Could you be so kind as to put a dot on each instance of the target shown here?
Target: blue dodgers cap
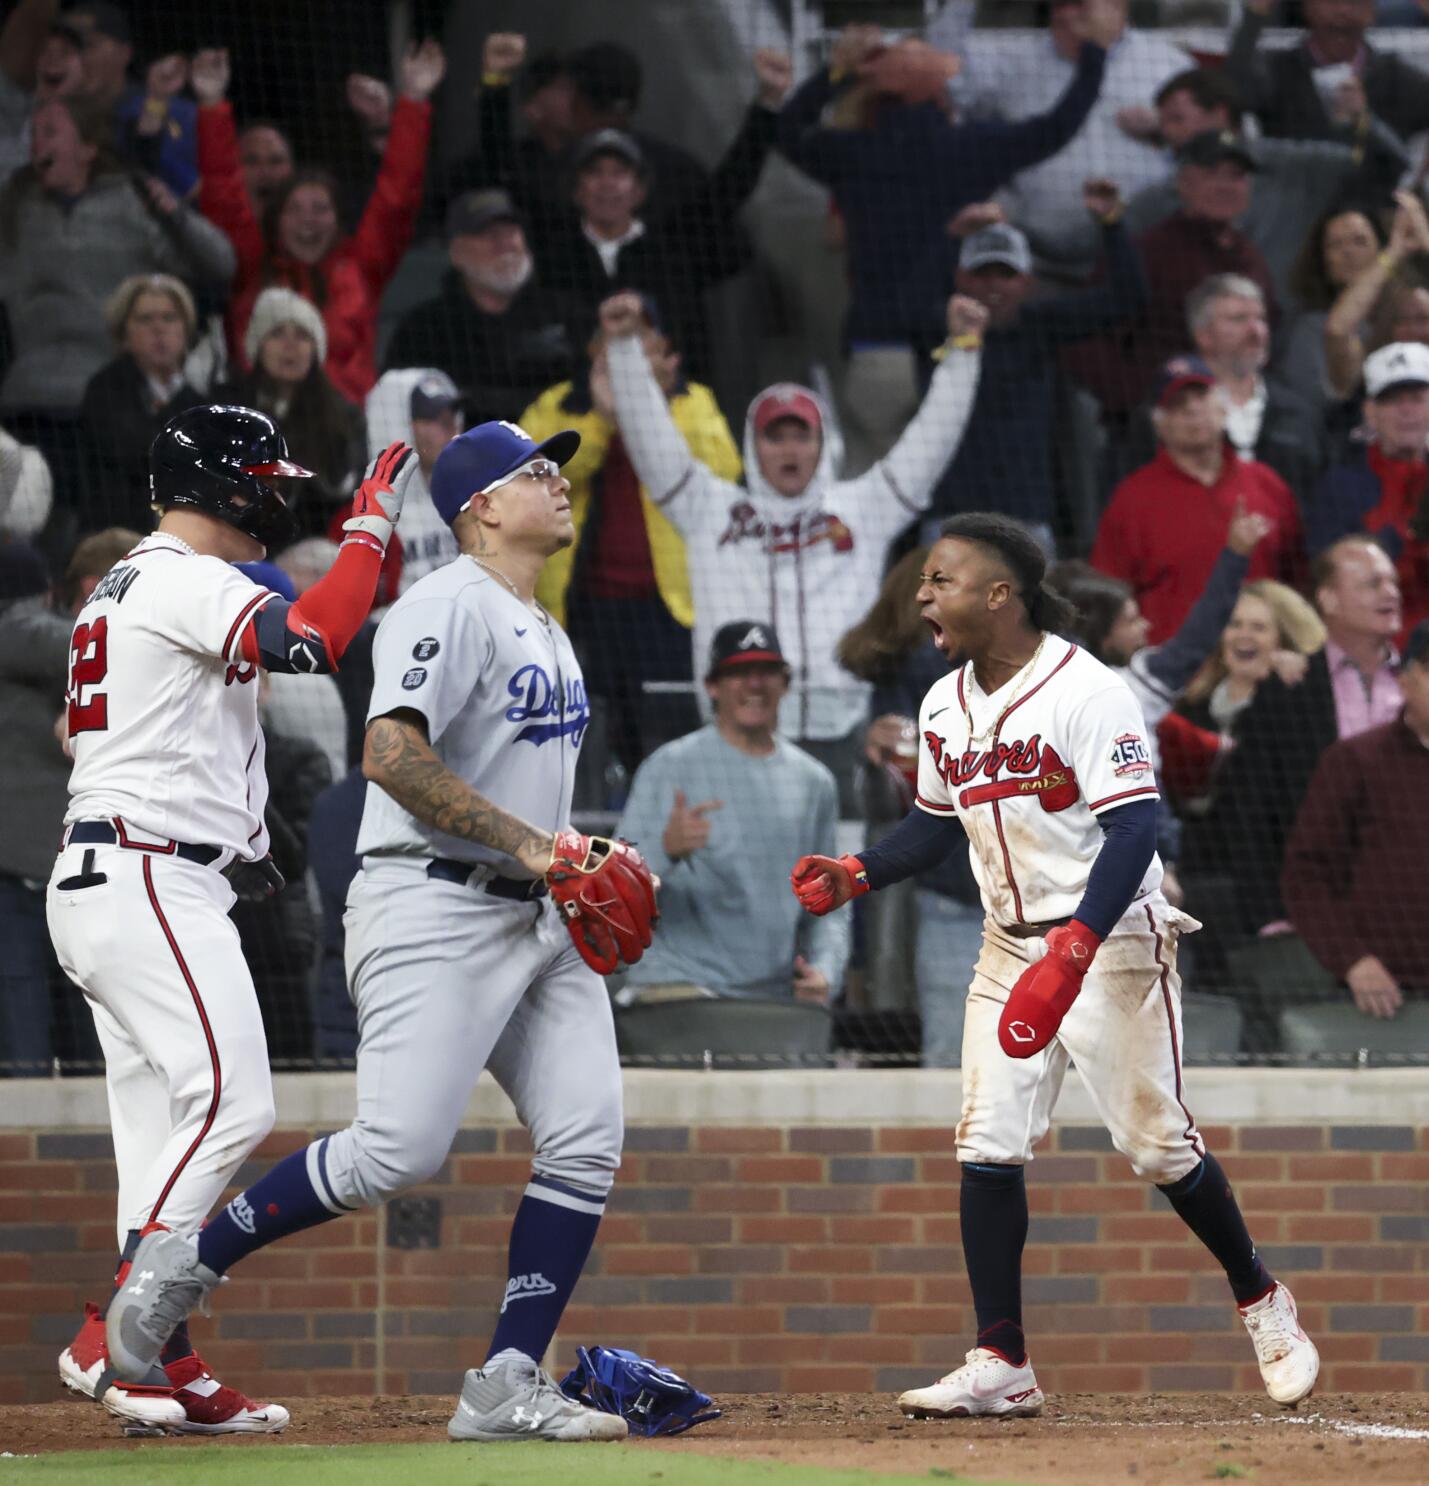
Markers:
(477, 459)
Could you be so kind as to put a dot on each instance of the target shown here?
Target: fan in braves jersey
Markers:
(1039, 751)
(165, 827)
(457, 959)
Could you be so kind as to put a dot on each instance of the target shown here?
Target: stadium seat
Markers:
(1340, 1027)
(1211, 1028)
(727, 1032)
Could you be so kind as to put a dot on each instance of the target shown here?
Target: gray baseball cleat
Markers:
(165, 1282)
(512, 1399)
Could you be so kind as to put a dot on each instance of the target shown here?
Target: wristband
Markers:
(495, 80)
(1114, 215)
(971, 341)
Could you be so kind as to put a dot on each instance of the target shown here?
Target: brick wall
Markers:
(800, 1258)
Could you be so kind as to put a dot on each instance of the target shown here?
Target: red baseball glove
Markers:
(1045, 991)
(607, 894)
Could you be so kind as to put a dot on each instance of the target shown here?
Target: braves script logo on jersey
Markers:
(746, 525)
(957, 768)
(1129, 758)
(539, 697)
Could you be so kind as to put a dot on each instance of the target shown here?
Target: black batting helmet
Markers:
(217, 459)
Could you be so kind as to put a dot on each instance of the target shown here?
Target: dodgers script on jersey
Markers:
(1071, 743)
(162, 706)
(504, 701)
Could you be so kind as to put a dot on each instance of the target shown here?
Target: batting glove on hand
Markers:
(822, 884)
(1045, 991)
(378, 503)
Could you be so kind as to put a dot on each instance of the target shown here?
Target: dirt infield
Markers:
(1081, 1440)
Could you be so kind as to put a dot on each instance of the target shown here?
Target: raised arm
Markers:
(222, 196)
(901, 484)
(1244, 65)
(675, 480)
(391, 211)
(1121, 293)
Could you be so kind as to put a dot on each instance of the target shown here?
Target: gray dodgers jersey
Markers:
(504, 701)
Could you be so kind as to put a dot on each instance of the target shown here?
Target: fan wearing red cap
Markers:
(795, 545)
(1166, 524)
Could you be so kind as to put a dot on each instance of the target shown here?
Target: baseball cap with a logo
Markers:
(484, 456)
(1400, 364)
(786, 400)
(744, 642)
(1178, 374)
(433, 395)
(996, 244)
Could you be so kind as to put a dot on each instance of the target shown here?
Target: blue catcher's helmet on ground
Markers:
(650, 1398)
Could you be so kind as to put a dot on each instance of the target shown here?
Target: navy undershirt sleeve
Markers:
(919, 841)
(1128, 844)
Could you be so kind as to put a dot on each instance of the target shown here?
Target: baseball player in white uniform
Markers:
(165, 827)
(1040, 753)
(457, 957)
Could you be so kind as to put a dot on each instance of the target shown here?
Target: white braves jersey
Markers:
(1045, 754)
(163, 709)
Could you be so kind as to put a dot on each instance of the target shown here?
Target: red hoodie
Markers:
(356, 269)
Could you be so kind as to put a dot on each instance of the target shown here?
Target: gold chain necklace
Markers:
(1024, 674)
(497, 573)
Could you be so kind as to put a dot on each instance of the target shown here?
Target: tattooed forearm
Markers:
(398, 757)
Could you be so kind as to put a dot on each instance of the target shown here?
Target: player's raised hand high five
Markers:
(377, 505)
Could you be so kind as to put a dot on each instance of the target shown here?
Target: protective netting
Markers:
(1164, 303)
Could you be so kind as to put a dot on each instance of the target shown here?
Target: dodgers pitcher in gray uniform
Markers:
(456, 958)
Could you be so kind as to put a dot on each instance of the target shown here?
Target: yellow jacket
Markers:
(697, 416)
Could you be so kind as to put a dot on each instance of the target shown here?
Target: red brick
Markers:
(831, 1259)
(847, 1378)
(1356, 1167)
(1336, 1288)
(921, 1320)
(1283, 1197)
(719, 1199)
(1143, 1227)
(767, 1349)
(1153, 1289)
(783, 1229)
(916, 1199)
(940, 1231)
(1329, 1228)
(1174, 1346)
(1101, 1199)
(897, 1141)
(650, 1259)
(686, 1353)
(940, 1169)
(1350, 1377)
(40, 1176)
(725, 1140)
(804, 1289)
(742, 1320)
(1099, 1259)
(16, 1147)
(1255, 1168)
(874, 1289)
(1406, 1168)
(1096, 1378)
(869, 1349)
(872, 1230)
(777, 1169)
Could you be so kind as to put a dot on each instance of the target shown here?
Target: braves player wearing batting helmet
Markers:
(165, 828)
(474, 933)
(1040, 752)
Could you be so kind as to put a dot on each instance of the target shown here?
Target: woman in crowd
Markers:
(73, 225)
(930, 928)
(152, 321)
(1342, 245)
(286, 346)
(1365, 315)
(299, 242)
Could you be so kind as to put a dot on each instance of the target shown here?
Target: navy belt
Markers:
(88, 832)
(520, 890)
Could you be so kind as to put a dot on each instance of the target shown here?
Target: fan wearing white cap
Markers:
(1382, 487)
(794, 546)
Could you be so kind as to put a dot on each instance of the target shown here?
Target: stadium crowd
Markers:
(1169, 310)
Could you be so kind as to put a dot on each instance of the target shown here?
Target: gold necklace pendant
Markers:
(1023, 675)
(535, 608)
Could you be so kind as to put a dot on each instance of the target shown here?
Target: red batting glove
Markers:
(1045, 991)
(822, 884)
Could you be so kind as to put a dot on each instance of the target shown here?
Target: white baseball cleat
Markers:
(1288, 1360)
(986, 1383)
(512, 1399)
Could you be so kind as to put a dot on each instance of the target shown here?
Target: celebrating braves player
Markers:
(165, 826)
(457, 957)
(1040, 752)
